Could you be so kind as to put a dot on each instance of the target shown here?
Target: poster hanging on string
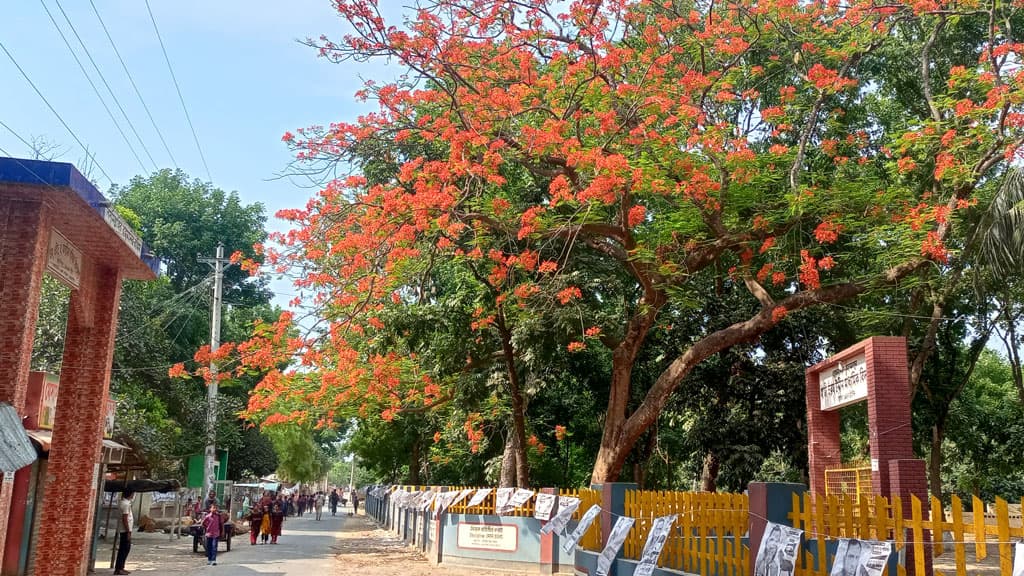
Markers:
(459, 497)
(544, 506)
(778, 552)
(567, 505)
(619, 531)
(520, 497)
(860, 557)
(588, 518)
(478, 497)
(660, 529)
(501, 500)
(1018, 559)
(427, 500)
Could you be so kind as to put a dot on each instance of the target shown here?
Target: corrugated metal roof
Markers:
(16, 449)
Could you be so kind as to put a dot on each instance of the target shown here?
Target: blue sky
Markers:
(244, 77)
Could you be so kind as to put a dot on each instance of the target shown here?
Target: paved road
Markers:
(306, 548)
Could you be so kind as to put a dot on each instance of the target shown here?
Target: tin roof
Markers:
(16, 449)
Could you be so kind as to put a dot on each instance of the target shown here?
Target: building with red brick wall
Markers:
(53, 220)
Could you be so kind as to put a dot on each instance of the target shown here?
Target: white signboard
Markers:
(619, 531)
(494, 537)
(123, 230)
(844, 383)
(63, 260)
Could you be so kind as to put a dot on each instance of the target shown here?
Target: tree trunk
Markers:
(522, 465)
(935, 458)
(709, 473)
(508, 464)
(621, 433)
(414, 463)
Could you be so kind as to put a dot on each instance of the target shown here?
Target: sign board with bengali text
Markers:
(494, 537)
(843, 384)
(64, 260)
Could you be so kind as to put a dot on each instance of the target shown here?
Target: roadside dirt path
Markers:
(366, 550)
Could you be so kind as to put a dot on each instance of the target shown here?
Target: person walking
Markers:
(255, 519)
(213, 527)
(276, 522)
(355, 501)
(265, 524)
(334, 501)
(126, 522)
(318, 504)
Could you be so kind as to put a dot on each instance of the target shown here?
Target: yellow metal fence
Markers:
(854, 482)
(962, 542)
(706, 536)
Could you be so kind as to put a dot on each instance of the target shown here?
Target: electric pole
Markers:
(219, 264)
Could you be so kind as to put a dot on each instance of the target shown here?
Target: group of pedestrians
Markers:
(266, 519)
(336, 497)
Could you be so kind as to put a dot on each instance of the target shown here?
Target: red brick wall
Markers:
(68, 507)
(24, 238)
(888, 412)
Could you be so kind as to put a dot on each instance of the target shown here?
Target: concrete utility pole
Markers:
(219, 264)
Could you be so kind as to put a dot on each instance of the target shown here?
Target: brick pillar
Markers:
(823, 448)
(910, 478)
(613, 505)
(548, 544)
(24, 239)
(71, 484)
(888, 408)
(769, 502)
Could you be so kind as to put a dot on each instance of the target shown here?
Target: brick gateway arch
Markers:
(874, 371)
(52, 219)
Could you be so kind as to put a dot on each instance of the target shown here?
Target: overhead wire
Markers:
(113, 119)
(16, 135)
(99, 72)
(131, 79)
(177, 87)
(55, 113)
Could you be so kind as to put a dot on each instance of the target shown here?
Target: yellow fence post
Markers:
(957, 509)
(1003, 526)
(978, 515)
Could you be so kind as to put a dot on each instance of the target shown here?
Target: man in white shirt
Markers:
(124, 526)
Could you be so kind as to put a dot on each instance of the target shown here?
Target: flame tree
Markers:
(594, 159)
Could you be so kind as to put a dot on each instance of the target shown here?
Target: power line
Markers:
(181, 98)
(132, 80)
(117, 102)
(18, 136)
(55, 113)
(94, 89)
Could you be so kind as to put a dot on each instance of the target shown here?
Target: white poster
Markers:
(458, 497)
(520, 497)
(1018, 559)
(501, 500)
(426, 501)
(778, 552)
(478, 497)
(619, 531)
(656, 538)
(566, 506)
(570, 541)
(860, 557)
(544, 506)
